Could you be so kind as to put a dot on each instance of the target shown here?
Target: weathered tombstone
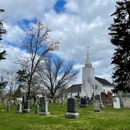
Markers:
(19, 108)
(83, 102)
(32, 102)
(26, 107)
(44, 106)
(116, 103)
(23, 100)
(0, 101)
(8, 106)
(126, 102)
(119, 95)
(110, 98)
(36, 108)
(96, 106)
(98, 97)
(103, 97)
(5, 101)
(72, 108)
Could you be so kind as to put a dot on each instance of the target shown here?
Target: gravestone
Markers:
(110, 98)
(0, 101)
(119, 95)
(5, 101)
(83, 102)
(23, 100)
(44, 106)
(116, 103)
(19, 108)
(8, 106)
(96, 106)
(32, 102)
(103, 97)
(98, 97)
(36, 108)
(26, 107)
(72, 108)
(126, 102)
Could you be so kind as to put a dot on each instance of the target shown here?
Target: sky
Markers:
(77, 23)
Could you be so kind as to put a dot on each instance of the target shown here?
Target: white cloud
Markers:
(84, 23)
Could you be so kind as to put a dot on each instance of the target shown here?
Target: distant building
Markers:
(91, 84)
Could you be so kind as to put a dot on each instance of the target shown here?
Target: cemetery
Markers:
(70, 116)
(40, 91)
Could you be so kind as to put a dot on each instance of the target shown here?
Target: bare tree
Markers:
(11, 78)
(3, 79)
(57, 74)
(38, 45)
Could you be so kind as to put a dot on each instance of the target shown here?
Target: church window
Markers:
(95, 86)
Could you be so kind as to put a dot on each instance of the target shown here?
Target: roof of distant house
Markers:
(103, 81)
(75, 88)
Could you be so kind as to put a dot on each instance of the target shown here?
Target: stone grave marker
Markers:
(19, 108)
(23, 100)
(96, 106)
(44, 106)
(98, 97)
(36, 108)
(103, 97)
(119, 95)
(32, 102)
(110, 98)
(126, 102)
(26, 107)
(116, 103)
(5, 101)
(83, 102)
(8, 106)
(72, 108)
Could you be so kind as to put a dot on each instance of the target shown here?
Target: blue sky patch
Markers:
(59, 6)
(26, 22)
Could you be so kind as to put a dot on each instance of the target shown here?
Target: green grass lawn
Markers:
(107, 119)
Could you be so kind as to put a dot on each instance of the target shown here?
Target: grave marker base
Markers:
(72, 115)
(26, 110)
(44, 113)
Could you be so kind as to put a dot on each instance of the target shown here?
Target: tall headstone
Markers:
(116, 103)
(23, 100)
(83, 102)
(72, 111)
(119, 95)
(19, 108)
(96, 106)
(26, 108)
(110, 98)
(44, 106)
(8, 106)
(5, 101)
(126, 102)
(103, 97)
(36, 108)
(98, 97)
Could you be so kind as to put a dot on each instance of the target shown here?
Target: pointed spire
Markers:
(88, 62)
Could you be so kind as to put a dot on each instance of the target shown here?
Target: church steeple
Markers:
(88, 62)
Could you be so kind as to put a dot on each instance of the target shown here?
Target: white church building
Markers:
(91, 85)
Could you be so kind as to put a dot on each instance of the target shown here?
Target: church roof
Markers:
(75, 88)
(103, 81)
